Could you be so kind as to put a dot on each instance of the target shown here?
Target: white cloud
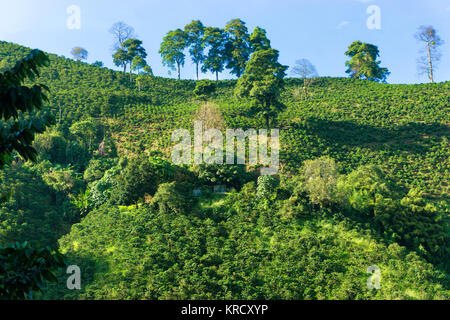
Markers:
(342, 24)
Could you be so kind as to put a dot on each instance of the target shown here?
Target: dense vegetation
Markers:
(364, 181)
(24, 269)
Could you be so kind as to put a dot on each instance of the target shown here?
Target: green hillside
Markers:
(126, 215)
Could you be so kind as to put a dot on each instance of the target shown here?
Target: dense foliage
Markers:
(24, 269)
(17, 135)
(213, 48)
(363, 62)
(239, 246)
(363, 181)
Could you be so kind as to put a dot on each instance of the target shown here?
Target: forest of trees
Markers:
(87, 180)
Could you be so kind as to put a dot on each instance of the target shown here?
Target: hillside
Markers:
(265, 239)
(402, 128)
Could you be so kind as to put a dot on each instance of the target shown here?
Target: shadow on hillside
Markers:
(90, 269)
(411, 137)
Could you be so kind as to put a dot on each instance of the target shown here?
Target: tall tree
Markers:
(120, 58)
(121, 32)
(259, 40)
(130, 49)
(262, 83)
(238, 47)
(194, 35)
(363, 62)
(79, 53)
(431, 50)
(305, 70)
(135, 50)
(172, 49)
(137, 65)
(214, 40)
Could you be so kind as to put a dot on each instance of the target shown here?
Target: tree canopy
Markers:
(23, 268)
(238, 47)
(172, 50)
(259, 40)
(127, 52)
(363, 62)
(194, 33)
(262, 83)
(214, 40)
(17, 135)
(79, 53)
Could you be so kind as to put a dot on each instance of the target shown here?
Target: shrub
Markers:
(173, 197)
(141, 177)
(210, 116)
(266, 186)
(204, 88)
(363, 187)
(230, 175)
(320, 179)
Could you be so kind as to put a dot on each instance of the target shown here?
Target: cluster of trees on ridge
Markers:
(248, 56)
(215, 49)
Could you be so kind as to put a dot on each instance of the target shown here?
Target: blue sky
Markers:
(318, 30)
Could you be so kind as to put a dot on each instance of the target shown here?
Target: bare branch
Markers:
(121, 32)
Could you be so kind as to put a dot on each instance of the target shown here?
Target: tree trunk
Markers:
(217, 75)
(305, 89)
(124, 67)
(179, 75)
(267, 123)
(197, 70)
(431, 63)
